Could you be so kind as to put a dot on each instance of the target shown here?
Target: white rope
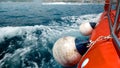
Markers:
(99, 39)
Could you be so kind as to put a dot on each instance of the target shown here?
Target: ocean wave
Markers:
(31, 46)
(77, 20)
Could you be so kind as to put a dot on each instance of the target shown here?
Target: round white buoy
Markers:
(65, 52)
(86, 28)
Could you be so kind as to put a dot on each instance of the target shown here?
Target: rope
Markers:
(99, 39)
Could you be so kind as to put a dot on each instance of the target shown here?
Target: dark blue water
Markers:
(29, 30)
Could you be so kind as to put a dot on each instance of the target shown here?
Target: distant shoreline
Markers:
(54, 1)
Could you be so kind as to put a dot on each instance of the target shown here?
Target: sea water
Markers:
(28, 31)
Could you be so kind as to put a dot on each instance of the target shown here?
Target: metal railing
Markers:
(114, 26)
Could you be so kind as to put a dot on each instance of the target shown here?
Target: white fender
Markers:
(87, 28)
(65, 52)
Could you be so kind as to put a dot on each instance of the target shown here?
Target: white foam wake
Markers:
(49, 31)
(77, 20)
(40, 37)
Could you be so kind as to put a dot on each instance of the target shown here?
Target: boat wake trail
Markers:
(31, 46)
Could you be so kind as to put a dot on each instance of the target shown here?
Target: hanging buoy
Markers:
(65, 52)
(87, 28)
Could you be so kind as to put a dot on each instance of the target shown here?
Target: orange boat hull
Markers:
(102, 54)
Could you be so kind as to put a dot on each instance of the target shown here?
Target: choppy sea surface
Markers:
(28, 31)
